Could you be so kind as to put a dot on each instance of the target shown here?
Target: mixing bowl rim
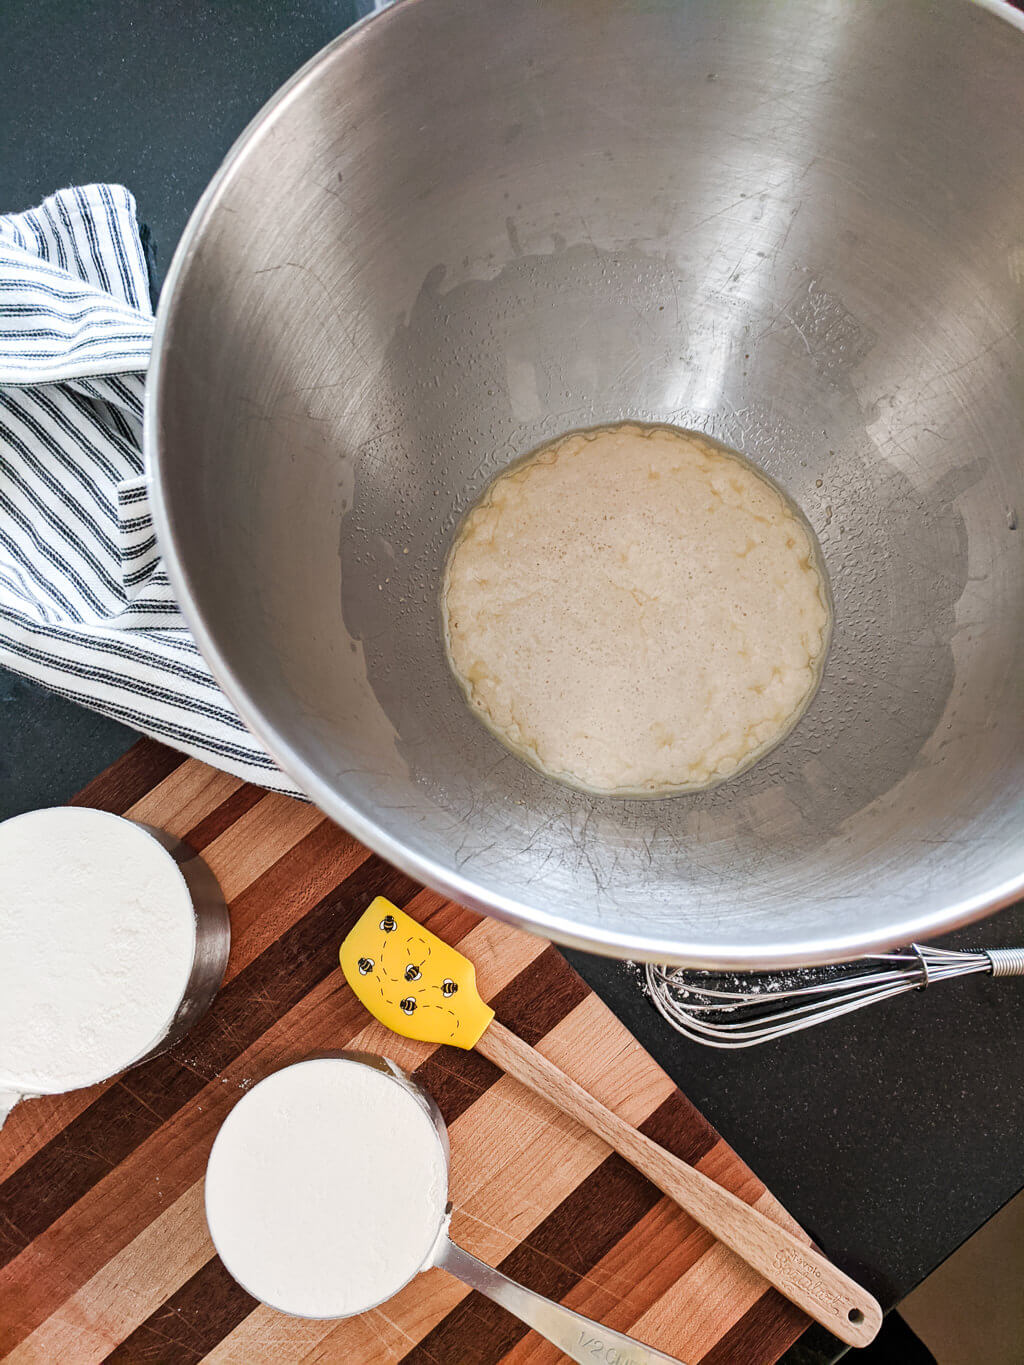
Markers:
(711, 954)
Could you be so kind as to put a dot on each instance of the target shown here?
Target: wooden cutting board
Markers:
(103, 1243)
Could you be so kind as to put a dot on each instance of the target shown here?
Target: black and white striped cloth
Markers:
(85, 605)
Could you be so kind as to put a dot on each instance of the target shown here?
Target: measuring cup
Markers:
(209, 960)
(577, 1337)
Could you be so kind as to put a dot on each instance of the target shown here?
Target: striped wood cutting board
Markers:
(103, 1242)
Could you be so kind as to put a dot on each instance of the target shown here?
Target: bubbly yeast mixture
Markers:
(636, 611)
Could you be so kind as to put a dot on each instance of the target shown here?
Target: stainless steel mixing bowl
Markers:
(470, 225)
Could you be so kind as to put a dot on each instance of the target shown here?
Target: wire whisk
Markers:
(731, 1011)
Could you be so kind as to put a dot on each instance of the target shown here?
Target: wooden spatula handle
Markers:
(796, 1270)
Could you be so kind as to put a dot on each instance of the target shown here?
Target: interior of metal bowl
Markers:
(472, 225)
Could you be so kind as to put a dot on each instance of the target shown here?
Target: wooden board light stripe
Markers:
(104, 1253)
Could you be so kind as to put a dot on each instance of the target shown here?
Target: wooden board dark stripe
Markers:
(680, 1128)
(128, 781)
(222, 817)
(305, 877)
(534, 1006)
(190, 1323)
(104, 1254)
(759, 1335)
(456, 1080)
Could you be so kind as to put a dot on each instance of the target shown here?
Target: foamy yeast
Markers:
(636, 611)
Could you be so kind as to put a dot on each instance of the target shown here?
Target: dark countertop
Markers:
(892, 1135)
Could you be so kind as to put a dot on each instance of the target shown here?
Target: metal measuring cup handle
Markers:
(578, 1337)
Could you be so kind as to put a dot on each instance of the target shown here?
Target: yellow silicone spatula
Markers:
(422, 988)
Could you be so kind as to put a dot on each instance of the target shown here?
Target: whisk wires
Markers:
(742, 1011)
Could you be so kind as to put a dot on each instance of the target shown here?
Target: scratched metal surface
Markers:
(471, 226)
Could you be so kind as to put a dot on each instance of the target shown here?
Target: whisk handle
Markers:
(796, 1270)
(1006, 961)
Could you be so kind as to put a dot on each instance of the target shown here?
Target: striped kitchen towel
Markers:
(85, 605)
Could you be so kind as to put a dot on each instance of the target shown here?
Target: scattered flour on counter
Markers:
(326, 1188)
(97, 937)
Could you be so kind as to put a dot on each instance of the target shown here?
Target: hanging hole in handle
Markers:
(855, 1315)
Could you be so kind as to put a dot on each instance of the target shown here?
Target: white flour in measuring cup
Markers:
(326, 1188)
(97, 940)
